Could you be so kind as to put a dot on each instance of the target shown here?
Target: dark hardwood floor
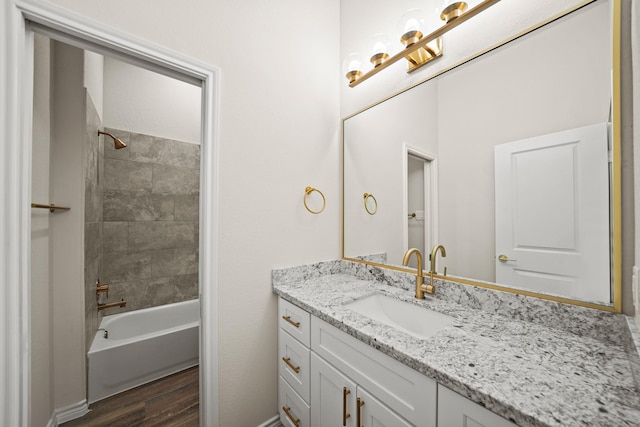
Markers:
(170, 401)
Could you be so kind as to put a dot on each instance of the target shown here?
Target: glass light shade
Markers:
(352, 66)
(411, 26)
(380, 47)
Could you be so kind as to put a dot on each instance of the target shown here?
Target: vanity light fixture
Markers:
(352, 67)
(452, 9)
(419, 49)
(380, 46)
(411, 29)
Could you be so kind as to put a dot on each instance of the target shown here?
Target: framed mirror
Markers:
(509, 160)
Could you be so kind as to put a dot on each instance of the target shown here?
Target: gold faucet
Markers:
(121, 303)
(432, 258)
(101, 288)
(420, 288)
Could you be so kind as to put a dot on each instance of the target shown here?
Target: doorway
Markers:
(420, 223)
(26, 20)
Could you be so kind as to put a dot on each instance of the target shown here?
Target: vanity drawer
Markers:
(293, 363)
(406, 391)
(295, 321)
(291, 407)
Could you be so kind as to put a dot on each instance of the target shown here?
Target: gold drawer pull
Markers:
(360, 405)
(288, 319)
(287, 410)
(291, 365)
(345, 392)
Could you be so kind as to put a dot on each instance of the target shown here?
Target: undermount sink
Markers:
(409, 318)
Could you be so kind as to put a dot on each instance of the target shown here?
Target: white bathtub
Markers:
(143, 345)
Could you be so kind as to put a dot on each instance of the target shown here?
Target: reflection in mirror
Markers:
(510, 146)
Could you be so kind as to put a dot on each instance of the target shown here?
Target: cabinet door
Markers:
(458, 411)
(374, 413)
(333, 396)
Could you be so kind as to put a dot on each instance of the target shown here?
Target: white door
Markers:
(421, 199)
(552, 213)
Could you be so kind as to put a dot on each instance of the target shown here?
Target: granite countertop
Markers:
(529, 373)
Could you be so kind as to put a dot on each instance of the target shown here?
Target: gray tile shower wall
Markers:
(151, 209)
(93, 215)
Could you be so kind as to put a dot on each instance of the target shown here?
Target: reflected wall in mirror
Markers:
(435, 158)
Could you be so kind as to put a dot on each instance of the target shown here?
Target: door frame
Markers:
(20, 20)
(430, 195)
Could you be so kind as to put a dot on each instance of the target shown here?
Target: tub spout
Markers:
(121, 303)
(106, 333)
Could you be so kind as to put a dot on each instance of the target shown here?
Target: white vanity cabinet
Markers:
(338, 401)
(293, 365)
(393, 394)
(458, 411)
(329, 378)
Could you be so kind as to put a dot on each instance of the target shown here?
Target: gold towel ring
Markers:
(308, 191)
(373, 211)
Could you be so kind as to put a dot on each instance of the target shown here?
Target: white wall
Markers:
(279, 132)
(68, 126)
(41, 404)
(146, 102)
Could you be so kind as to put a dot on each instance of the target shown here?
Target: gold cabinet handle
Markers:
(291, 365)
(504, 258)
(287, 411)
(288, 319)
(345, 415)
(358, 414)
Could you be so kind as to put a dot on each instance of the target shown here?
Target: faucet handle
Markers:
(101, 288)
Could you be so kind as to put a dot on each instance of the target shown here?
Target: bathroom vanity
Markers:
(475, 367)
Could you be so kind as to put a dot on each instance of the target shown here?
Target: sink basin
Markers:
(409, 318)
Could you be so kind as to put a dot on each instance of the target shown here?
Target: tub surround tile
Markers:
(153, 149)
(122, 205)
(116, 237)
(187, 207)
(126, 267)
(175, 180)
(151, 209)
(93, 206)
(532, 372)
(93, 217)
(174, 262)
(123, 175)
(92, 241)
(145, 236)
(152, 292)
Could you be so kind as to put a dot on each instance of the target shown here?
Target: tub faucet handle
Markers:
(101, 288)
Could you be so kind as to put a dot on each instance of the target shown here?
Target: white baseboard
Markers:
(71, 412)
(272, 422)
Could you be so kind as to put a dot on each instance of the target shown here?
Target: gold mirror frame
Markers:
(616, 177)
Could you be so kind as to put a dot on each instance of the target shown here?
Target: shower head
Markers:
(117, 142)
